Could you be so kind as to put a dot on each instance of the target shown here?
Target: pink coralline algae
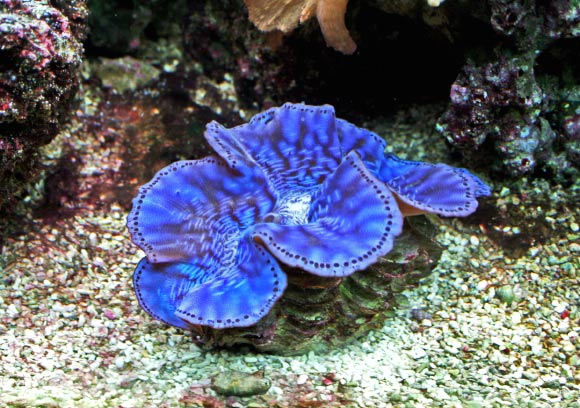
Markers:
(294, 188)
(40, 54)
(515, 107)
(498, 104)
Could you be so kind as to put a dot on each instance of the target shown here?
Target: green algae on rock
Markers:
(240, 384)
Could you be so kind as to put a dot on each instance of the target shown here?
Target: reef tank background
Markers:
(96, 96)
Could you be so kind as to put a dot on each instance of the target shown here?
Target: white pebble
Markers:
(120, 362)
(417, 352)
(482, 285)
(276, 390)
(46, 364)
(302, 378)
(12, 311)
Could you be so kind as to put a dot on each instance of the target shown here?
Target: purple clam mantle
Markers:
(295, 186)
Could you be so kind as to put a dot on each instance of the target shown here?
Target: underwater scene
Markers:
(289, 203)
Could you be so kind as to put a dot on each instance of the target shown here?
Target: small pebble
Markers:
(482, 285)
(239, 384)
(302, 378)
(419, 314)
(505, 294)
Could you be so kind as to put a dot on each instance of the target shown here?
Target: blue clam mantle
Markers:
(295, 186)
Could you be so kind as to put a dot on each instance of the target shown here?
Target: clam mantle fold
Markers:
(295, 187)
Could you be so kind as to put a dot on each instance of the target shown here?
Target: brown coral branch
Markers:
(284, 15)
(270, 15)
(330, 15)
(309, 10)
